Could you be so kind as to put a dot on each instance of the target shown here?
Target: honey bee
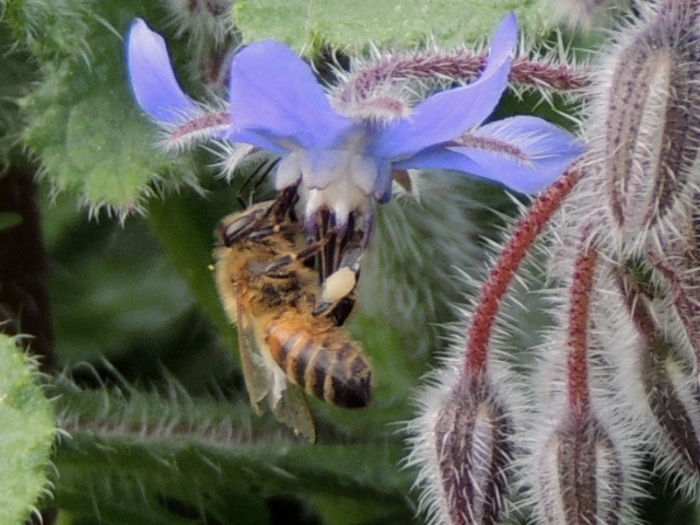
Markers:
(271, 295)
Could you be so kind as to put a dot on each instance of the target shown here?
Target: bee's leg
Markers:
(283, 207)
(311, 250)
(339, 285)
(262, 233)
(337, 289)
(279, 267)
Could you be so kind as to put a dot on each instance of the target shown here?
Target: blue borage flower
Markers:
(276, 104)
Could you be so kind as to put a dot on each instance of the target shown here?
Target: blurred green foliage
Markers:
(353, 25)
(149, 392)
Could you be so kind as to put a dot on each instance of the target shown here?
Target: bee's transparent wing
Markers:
(255, 373)
(292, 409)
(263, 377)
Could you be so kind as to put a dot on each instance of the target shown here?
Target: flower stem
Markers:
(500, 278)
(577, 343)
(554, 77)
(463, 66)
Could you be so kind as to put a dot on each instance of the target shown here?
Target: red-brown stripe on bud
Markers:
(673, 408)
(579, 474)
(473, 454)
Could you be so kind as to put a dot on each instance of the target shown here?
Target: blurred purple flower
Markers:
(277, 105)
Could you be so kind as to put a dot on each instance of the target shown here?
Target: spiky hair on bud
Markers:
(645, 119)
(578, 475)
(462, 444)
(582, 463)
(675, 261)
(195, 130)
(653, 370)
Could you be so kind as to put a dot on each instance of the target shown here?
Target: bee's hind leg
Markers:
(340, 285)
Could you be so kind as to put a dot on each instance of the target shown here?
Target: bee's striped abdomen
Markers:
(325, 363)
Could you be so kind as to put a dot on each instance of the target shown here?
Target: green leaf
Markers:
(82, 121)
(16, 75)
(27, 432)
(353, 24)
(51, 28)
(146, 458)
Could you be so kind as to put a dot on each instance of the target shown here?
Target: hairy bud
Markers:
(462, 444)
(677, 258)
(676, 413)
(673, 411)
(649, 105)
(579, 474)
(580, 470)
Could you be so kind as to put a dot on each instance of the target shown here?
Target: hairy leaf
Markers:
(178, 459)
(26, 434)
(82, 122)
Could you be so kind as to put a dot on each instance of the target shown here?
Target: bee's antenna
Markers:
(263, 175)
(256, 178)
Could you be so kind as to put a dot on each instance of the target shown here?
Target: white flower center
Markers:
(340, 179)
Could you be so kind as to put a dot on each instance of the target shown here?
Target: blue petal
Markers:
(260, 140)
(503, 43)
(275, 99)
(439, 158)
(152, 78)
(549, 150)
(451, 113)
(535, 153)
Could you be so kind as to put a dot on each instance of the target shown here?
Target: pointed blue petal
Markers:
(275, 98)
(533, 154)
(439, 158)
(545, 151)
(449, 114)
(503, 42)
(152, 78)
(260, 140)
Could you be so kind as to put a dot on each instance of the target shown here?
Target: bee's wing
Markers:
(292, 409)
(263, 377)
(255, 373)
